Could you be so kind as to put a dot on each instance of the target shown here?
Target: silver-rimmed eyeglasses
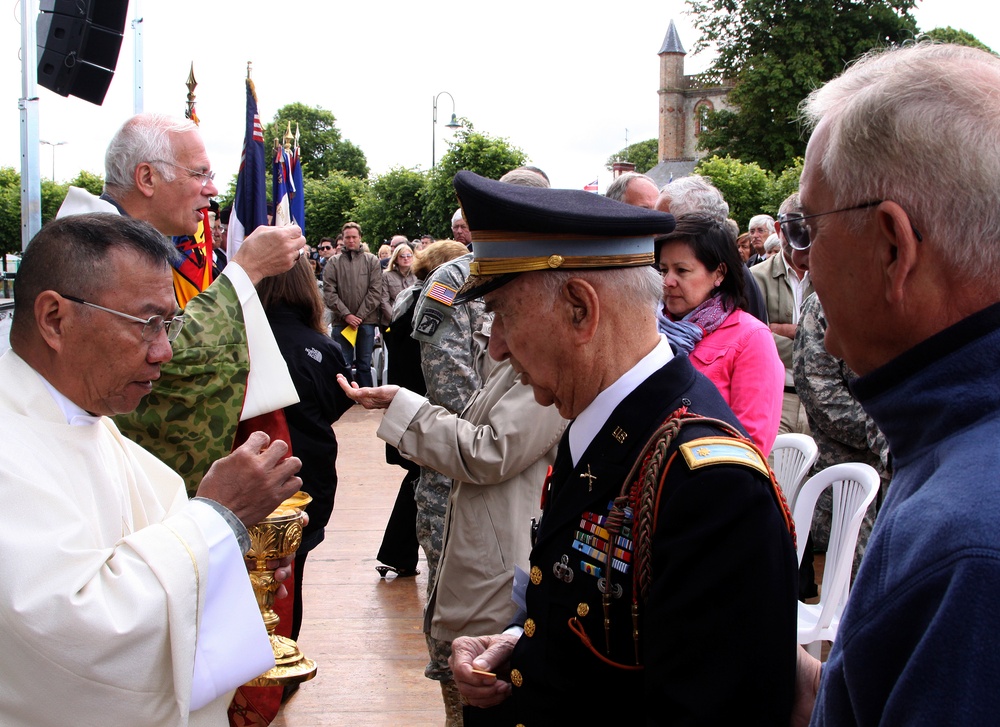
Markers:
(796, 231)
(151, 327)
(206, 177)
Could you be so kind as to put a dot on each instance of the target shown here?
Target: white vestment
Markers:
(110, 577)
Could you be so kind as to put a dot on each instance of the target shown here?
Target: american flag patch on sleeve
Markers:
(442, 293)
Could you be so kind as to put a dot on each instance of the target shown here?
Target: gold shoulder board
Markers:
(722, 450)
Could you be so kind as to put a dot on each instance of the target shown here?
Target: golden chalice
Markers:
(278, 536)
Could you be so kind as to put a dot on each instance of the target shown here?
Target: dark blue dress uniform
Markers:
(716, 639)
(710, 637)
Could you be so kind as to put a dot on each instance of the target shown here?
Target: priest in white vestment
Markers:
(124, 602)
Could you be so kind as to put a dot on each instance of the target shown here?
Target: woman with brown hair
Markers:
(294, 309)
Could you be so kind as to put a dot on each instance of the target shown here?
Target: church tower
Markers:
(685, 102)
(672, 84)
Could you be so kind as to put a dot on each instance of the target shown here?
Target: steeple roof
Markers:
(672, 42)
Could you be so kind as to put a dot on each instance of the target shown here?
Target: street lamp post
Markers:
(452, 124)
(53, 145)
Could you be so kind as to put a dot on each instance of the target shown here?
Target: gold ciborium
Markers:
(278, 536)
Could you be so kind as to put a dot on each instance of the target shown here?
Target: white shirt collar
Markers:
(76, 416)
(586, 426)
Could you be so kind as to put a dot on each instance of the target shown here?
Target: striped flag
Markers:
(442, 293)
(279, 185)
(592, 187)
(296, 198)
(250, 206)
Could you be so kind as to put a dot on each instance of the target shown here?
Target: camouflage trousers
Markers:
(431, 495)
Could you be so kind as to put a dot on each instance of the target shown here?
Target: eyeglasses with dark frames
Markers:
(151, 327)
(797, 233)
(206, 177)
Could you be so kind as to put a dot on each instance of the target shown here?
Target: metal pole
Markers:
(137, 81)
(31, 183)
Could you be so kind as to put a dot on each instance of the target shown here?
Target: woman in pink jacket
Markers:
(703, 316)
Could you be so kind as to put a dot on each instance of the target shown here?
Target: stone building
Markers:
(684, 105)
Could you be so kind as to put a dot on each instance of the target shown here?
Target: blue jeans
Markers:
(359, 355)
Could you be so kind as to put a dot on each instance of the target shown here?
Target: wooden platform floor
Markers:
(364, 633)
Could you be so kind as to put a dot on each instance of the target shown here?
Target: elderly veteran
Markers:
(662, 539)
(124, 602)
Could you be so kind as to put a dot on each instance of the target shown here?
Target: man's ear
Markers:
(899, 249)
(50, 313)
(584, 305)
(145, 179)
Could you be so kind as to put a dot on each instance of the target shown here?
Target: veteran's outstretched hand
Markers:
(370, 397)
(472, 655)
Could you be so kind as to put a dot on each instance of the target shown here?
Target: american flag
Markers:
(442, 293)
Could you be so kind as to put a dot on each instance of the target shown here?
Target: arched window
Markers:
(701, 111)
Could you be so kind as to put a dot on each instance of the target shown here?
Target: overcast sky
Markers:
(567, 82)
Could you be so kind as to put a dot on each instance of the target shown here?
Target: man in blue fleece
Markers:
(901, 217)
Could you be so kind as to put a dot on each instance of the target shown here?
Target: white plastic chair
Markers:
(792, 456)
(854, 488)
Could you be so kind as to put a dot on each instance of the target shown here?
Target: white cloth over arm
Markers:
(107, 574)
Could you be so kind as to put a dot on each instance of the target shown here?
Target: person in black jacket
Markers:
(294, 309)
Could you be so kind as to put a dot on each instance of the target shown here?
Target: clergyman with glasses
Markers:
(121, 595)
(158, 170)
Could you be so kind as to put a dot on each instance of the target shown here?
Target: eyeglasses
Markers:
(151, 326)
(797, 232)
(206, 177)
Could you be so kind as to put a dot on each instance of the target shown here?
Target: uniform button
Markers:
(529, 627)
(582, 610)
(536, 575)
(515, 677)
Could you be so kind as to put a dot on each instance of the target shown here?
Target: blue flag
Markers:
(279, 185)
(296, 196)
(250, 206)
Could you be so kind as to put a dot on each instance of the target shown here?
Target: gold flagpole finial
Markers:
(289, 137)
(191, 84)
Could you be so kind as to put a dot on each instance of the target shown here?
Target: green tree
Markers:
(644, 154)
(329, 203)
(321, 145)
(469, 150)
(958, 37)
(10, 210)
(93, 183)
(746, 187)
(784, 184)
(776, 52)
(391, 206)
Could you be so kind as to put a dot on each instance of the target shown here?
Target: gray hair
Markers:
(143, 138)
(637, 286)
(616, 190)
(918, 125)
(772, 243)
(761, 221)
(526, 177)
(792, 205)
(69, 255)
(457, 216)
(695, 195)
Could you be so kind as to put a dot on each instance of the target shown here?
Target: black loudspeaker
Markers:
(78, 46)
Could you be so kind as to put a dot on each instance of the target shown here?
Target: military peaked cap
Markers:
(517, 229)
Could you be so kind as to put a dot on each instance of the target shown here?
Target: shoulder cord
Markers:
(641, 492)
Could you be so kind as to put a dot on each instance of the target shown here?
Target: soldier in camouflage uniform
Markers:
(451, 357)
(842, 430)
